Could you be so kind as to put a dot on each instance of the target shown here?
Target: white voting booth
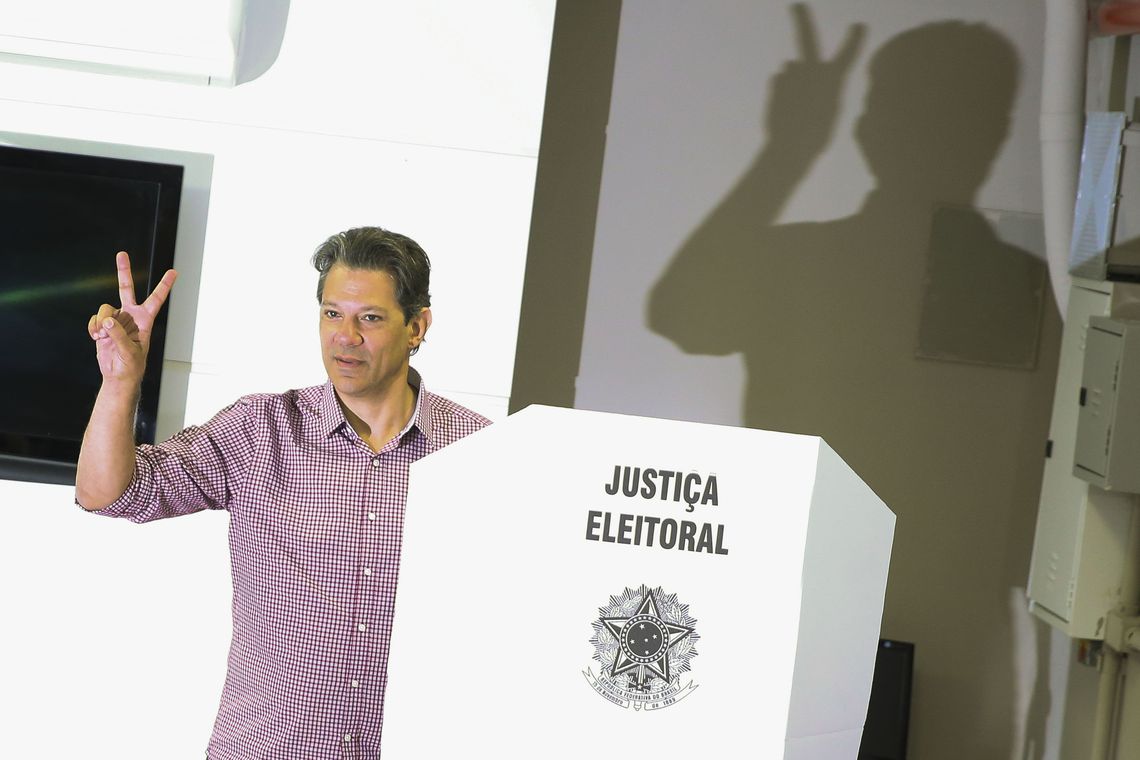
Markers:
(580, 584)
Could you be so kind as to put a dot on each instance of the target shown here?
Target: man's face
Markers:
(364, 340)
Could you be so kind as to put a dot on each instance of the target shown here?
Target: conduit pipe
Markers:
(1130, 579)
(1062, 122)
(1105, 703)
(1120, 637)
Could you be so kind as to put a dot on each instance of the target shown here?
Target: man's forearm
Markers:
(107, 457)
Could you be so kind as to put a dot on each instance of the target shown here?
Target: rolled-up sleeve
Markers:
(201, 467)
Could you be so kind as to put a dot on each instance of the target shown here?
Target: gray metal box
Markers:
(1108, 424)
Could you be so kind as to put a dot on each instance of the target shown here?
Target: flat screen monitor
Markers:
(63, 217)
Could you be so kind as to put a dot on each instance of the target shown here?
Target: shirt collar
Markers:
(421, 417)
(332, 416)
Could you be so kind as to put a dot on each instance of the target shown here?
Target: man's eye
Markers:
(330, 314)
(371, 318)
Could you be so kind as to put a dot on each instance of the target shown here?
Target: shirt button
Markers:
(375, 462)
(362, 627)
(368, 571)
(355, 684)
(348, 737)
(371, 515)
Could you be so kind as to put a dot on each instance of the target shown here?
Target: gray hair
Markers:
(380, 250)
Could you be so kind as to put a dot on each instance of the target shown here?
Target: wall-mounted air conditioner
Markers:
(196, 41)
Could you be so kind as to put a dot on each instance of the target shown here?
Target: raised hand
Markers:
(122, 335)
(805, 95)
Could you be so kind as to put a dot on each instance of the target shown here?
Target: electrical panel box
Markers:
(1123, 256)
(1107, 450)
(1082, 530)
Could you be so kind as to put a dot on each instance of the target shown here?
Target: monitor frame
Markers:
(54, 459)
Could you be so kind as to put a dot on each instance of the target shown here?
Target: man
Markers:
(315, 482)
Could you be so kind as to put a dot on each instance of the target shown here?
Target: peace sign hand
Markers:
(122, 335)
(805, 95)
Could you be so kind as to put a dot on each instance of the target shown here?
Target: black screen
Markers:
(62, 219)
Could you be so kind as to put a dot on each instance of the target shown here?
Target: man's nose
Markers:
(348, 335)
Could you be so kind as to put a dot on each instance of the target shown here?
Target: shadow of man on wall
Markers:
(827, 316)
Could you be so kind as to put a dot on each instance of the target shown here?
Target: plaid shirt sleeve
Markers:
(202, 467)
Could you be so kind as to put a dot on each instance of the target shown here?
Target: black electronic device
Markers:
(63, 216)
(888, 712)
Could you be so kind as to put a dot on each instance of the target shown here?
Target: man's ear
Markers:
(418, 327)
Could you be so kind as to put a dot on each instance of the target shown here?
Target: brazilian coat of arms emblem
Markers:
(644, 642)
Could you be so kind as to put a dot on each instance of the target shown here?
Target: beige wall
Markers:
(737, 257)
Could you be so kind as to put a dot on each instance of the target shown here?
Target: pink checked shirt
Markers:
(316, 519)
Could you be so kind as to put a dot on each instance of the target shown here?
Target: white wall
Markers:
(421, 117)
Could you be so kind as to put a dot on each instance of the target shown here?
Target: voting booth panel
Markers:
(585, 584)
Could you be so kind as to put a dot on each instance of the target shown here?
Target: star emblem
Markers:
(644, 640)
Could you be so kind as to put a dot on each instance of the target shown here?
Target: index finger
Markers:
(126, 281)
(805, 32)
